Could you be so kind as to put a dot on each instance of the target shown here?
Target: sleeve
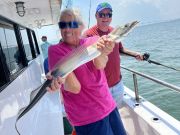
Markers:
(90, 40)
(54, 55)
(90, 32)
(86, 34)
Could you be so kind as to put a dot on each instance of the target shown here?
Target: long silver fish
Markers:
(70, 62)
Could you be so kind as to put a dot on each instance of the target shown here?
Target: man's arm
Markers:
(126, 51)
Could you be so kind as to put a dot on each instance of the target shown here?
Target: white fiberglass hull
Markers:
(142, 119)
(44, 118)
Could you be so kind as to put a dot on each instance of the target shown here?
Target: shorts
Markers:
(110, 125)
(117, 92)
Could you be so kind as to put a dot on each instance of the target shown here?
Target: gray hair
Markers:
(75, 13)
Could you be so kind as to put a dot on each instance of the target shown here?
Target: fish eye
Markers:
(126, 25)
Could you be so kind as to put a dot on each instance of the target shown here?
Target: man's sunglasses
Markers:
(103, 15)
(73, 24)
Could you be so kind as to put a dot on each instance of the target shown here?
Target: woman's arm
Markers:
(100, 62)
(72, 84)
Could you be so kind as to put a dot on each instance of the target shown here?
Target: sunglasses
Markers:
(64, 25)
(103, 15)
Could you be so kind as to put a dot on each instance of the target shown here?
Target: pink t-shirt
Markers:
(93, 102)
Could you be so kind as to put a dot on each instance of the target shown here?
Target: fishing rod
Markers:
(146, 58)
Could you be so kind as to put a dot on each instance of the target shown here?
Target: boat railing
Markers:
(135, 73)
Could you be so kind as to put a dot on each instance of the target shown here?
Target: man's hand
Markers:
(139, 57)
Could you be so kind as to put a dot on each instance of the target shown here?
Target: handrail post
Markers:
(136, 87)
(168, 85)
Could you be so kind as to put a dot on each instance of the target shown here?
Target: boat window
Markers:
(26, 43)
(10, 49)
(34, 44)
(18, 45)
(4, 71)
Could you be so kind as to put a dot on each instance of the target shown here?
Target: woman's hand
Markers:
(71, 83)
(56, 82)
(105, 45)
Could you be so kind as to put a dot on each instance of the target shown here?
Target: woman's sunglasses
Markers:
(103, 15)
(64, 25)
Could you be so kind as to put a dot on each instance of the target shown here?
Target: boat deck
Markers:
(145, 118)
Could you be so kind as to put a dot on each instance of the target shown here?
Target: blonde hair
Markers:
(75, 13)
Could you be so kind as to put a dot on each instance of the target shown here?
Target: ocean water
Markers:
(162, 42)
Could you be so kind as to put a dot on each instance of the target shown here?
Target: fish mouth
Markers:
(120, 32)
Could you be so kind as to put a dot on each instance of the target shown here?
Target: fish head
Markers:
(119, 32)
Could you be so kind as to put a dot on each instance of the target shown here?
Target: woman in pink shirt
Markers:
(89, 106)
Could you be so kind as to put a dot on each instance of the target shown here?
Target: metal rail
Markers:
(173, 87)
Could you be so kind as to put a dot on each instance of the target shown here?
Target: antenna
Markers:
(89, 13)
(68, 3)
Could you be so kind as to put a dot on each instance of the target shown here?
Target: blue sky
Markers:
(124, 11)
(145, 11)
